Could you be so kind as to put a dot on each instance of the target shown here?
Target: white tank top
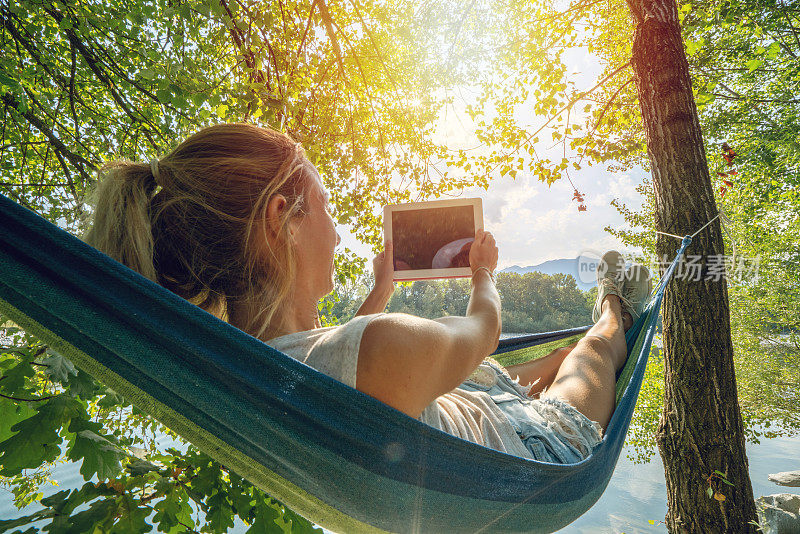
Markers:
(469, 415)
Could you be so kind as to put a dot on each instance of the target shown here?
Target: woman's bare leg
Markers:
(587, 376)
(543, 369)
(540, 373)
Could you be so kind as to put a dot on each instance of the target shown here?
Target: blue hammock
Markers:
(339, 457)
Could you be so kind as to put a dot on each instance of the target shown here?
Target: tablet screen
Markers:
(432, 238)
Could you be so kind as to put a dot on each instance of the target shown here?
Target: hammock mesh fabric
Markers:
(329, 452)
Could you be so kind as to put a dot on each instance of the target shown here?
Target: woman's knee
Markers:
(596, 343)
(599, 351)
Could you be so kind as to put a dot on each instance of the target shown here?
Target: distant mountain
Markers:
(565, 266)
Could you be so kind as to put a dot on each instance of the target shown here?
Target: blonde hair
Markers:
(202, 235)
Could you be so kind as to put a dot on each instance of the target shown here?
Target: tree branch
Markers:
(113, 67)
(27, 45)
(326, 19)
(308, 26)
(92, 62)
(792, 29)
(566, 107)
(78, 161)
(608, 105)
(27, 400)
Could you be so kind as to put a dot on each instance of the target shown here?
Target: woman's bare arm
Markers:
(383, 269)
(407, 361)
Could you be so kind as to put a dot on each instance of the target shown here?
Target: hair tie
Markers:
(154, 170)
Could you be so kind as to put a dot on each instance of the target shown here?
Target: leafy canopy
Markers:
(358, 83)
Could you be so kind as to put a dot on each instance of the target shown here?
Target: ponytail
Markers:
(121, 225)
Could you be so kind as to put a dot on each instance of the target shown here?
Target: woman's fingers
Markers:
(483, 252)
(383, 267)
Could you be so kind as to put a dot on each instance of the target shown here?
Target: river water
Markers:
(637, 492)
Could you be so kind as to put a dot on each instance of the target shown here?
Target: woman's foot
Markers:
(636, 289)
(610, 272)
(611, 282)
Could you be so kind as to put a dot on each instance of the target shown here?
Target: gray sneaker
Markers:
(636, 289)
(610, 273)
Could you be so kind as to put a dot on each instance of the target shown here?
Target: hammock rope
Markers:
(319, 446)
(724, 221)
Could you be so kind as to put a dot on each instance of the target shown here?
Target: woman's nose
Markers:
(338, 239)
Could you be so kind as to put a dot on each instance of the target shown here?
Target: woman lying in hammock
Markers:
(236, 220)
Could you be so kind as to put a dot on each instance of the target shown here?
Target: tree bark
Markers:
(701, 429)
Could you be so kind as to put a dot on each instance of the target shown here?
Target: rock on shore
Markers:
(779, 514)
(787, 478)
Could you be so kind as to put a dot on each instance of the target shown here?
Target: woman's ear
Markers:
(275, 213)
(275, 207)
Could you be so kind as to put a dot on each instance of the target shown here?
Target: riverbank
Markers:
(636, 494)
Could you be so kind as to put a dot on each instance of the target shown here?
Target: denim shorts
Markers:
(551, 429)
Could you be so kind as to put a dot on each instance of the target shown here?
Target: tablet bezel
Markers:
(432, 274)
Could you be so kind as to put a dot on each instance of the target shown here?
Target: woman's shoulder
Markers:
(403, 331)
(331, 350)
(299, 337)
(304, 336)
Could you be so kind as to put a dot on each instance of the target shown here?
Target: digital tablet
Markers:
(432, 239)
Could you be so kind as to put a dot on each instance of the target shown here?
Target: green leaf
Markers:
(111, 399)
(11, 413)
(59, 369)
(99, 455)
(773, 51)
(36, 439)
(753, 64)
(222, 111)
(8, 524)
(99, 512)
(219, 514)
(11, 83)
(164, 95)
(64, 502)
(264, 522)
(82, 385)
(14, 379)
(173, 510)
(131, 518)
(137, 467)
(710, 492)
(693, 46)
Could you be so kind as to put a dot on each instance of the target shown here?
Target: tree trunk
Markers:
(701, 428)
